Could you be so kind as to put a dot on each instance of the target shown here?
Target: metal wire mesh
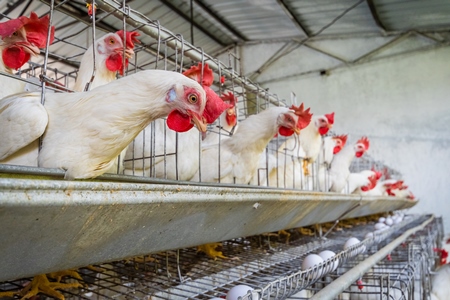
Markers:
(367, 162)
(267, 263)
(161, 152)
(404, 274)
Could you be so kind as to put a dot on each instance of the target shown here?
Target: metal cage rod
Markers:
(339, 285)
(193, 52)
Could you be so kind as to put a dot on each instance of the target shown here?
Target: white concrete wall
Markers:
(403, 105)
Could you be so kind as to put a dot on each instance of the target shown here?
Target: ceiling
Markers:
(312, 30)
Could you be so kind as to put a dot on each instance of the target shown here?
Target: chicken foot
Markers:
(41, 284)
(210, 250)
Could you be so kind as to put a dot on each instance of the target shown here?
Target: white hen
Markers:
(287, 172)
(173, 155)
(21, 39)
(86, 131)
(108, 59)
(240, 154)
(290, 155)
(360, 182)
(29, 113)
(339, 170)
(330, 147)
(380, 188)
(109, 51)
(311, 138)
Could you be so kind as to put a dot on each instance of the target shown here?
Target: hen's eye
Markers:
(192, 98)
(112, 41)
(15, 33)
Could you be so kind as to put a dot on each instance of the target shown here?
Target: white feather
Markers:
(183, 159)
(23, 120)
(240, 154)
(356, 181)
(225, 131)
(339, 170)
(102, 74)
(87, 131)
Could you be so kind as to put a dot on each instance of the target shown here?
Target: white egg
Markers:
(353, 241)
(381, 220)
(310, 261)
(215, 298)
(350, 242)
(389, 221)
(368, 235)
(379, 226)
(326, 254)
(238, 291)
(397, 220)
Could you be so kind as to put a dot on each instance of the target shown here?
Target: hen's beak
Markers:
(129, 53)
(30, 48)
(200, 123)
(297, 130)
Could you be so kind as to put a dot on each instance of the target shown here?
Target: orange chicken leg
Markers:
(210, 250)
(41, 284)
(287, 234)
(305, 166)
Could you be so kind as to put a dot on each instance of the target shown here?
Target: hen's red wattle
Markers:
(178, 121)
(14, 57)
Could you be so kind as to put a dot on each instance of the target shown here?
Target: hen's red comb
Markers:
(398, 184)
(373, 180)
(214, 105)
(330, 118)
(229, 98)
(377, 173)
(195, 72)
(372, 183)
(304, 116)
(343, 138)
(365, 141)
(36, 29)
(131, 38)
(9, 27)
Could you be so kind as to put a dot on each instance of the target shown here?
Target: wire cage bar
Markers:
(265, 262)
(405, 273)
(159, 152)
(152, 178)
